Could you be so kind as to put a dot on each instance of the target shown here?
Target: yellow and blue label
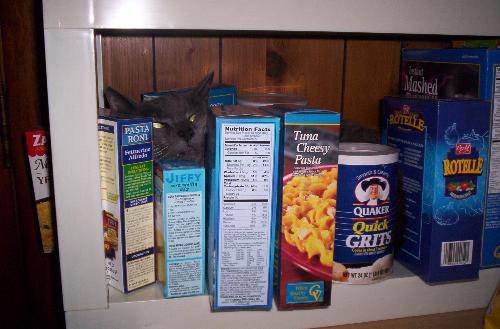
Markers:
(305, 292)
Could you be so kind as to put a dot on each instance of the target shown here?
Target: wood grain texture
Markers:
(313, 65)
(182, 62)
(308, 67)
(371, 72)
(244, 62)
(471, 319)
(458, 43)
(128, 64)
(11, 256)
(426, 44)
(26, 107)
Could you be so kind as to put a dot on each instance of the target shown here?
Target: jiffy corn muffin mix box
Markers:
(305, 229)
(180, 227)
(464, 73)
(126, 168)
(443, 148)
(243, 176)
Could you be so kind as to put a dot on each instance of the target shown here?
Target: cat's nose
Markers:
(186, 133)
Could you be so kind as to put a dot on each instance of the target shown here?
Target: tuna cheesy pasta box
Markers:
(180, 227)
(443, 159)
(126, 168)
(243, 175)
(305, 229)
(464, 73)
(366, 209)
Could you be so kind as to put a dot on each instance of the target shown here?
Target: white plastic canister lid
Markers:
(367, 154)
(266, 99)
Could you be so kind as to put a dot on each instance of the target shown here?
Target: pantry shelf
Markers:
(401, 295)
(73, 84)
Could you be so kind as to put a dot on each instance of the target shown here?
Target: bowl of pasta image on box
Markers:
(309, 155)
(307, 218)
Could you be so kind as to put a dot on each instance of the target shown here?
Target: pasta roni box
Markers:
(126, 168)
(243, 169)
(180, 227)
(443, 161)
(451, 73)
(305, 229)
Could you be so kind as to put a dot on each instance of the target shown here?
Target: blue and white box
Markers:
(464, 73)
(222, 95)
(126, 169)
(180, 228)
(449, 73)
(217, 96)
(243, 150)
(443, 148)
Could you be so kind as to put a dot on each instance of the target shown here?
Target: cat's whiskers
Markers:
(158, 151)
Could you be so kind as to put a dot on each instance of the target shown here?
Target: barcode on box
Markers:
(456, 253)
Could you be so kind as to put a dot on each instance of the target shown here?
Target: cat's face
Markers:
(179, 120)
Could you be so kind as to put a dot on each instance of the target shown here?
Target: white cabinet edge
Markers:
(71, 85)
(394, 298)
(466, 17)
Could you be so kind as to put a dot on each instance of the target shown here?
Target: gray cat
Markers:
(179, 116)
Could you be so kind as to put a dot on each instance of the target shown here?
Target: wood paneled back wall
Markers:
(347, 75)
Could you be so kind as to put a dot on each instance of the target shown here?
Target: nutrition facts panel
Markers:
(494, 173)
(245, 213)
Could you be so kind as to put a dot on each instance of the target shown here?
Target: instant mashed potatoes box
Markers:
(464, 73)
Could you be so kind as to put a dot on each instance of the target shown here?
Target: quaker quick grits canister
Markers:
(366, 208)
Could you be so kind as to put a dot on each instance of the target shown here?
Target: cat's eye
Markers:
(192, 117)
(158, 125)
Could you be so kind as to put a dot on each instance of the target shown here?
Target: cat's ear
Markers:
(203, 86)
(119, 103)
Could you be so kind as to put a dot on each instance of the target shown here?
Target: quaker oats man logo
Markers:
(373, 191)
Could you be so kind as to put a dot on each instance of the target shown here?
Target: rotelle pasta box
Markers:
(305, 230)
(243, 178)
(464, 73)
(443, 148)
(180, 227)
(126, 168)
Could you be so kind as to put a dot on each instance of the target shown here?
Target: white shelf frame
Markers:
(71, 81)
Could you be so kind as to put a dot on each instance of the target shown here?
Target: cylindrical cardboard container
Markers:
(366, 207)
(267, 99)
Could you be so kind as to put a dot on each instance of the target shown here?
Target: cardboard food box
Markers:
(37, 145)
(180, 227)
(243, 174)
(464, 73)
(222, 95)
(443, 148)
(305, 229)
(126, 168)
(217, 96)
